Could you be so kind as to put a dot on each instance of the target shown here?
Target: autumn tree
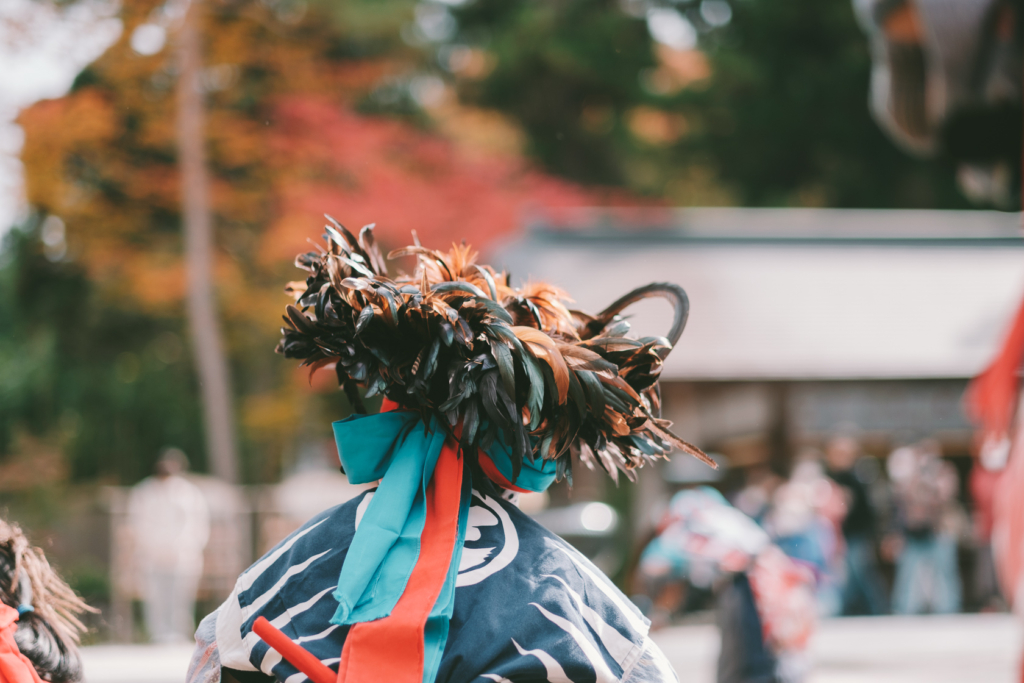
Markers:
(295, 127)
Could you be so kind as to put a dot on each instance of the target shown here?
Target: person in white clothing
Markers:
(170, 525)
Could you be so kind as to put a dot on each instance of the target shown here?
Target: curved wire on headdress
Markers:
(675, 294)
(455, 340)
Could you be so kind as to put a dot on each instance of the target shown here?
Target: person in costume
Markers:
(436, 575)
(805, 523)
(39, 625)
(766, 608)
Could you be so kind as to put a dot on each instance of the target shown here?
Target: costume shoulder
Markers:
(529, 606)
(291, 586)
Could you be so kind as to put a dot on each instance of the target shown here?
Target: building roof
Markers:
(796, 293)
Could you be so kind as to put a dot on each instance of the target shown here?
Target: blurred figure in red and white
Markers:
(993, 401)
(170, 526)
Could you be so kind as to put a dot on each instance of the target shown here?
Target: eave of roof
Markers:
(816, 300)
(776, 225)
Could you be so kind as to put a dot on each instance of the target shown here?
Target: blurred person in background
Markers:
(862, 591)
(804, 521)
(755, 498)
(39, 625)
(765, 601)
(928, 523)
(170, 525)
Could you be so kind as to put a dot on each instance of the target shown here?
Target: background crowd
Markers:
(842, 534)
(903, 535)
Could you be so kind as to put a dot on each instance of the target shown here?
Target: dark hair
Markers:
(54, 657)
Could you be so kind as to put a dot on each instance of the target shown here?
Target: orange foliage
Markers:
(285, 146)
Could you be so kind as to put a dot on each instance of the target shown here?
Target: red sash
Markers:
(391, 649)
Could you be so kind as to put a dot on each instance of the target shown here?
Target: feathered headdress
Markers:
(455, 340)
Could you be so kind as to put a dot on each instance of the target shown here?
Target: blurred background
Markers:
(835, 184)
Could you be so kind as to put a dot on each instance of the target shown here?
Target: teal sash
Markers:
(399, 450)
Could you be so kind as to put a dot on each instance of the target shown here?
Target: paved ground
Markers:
(136, 663)
(956, 649)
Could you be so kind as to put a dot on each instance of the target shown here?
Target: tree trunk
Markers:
(207, 344)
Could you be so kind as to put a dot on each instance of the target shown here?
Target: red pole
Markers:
(297, 655)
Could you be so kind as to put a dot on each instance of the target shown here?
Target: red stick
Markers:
(297, 655)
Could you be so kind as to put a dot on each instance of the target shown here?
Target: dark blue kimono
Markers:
(528, 607)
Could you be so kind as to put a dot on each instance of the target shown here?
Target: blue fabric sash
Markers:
(399, 450)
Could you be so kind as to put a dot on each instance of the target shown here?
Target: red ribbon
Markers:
(492, 471)
(391, 649)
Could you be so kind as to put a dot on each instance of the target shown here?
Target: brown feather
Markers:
(543, 348)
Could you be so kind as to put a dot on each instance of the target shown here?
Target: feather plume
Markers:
(456, 341)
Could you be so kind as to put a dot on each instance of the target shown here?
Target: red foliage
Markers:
(361, 169)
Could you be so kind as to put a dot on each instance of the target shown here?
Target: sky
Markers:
(42, 49)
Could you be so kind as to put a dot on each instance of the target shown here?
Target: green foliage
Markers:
(786, 113)
(782, 120)
(376, 22)
(554, 63)
(112, 386)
